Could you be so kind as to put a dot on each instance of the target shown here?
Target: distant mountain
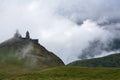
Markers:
(26, 53)
(107, 61)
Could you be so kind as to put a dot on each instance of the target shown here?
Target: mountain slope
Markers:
(26, 53)
(107, 61)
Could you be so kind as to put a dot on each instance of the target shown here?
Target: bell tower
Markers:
(27, 35)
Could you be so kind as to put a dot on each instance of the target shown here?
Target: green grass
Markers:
(68, 73)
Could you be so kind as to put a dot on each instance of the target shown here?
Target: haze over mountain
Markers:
(24, 53)
(66, 27)
(98, 48)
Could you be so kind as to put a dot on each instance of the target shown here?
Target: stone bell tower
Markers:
(27, 35)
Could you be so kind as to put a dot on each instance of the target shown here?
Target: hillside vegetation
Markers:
(107, 61)
(68, 73)
(23, 53)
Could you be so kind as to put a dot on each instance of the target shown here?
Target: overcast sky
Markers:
(64, 27)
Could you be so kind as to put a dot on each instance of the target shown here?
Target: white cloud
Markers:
(69, 40)
(54, 22)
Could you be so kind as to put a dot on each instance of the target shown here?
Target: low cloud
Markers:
(63, 26)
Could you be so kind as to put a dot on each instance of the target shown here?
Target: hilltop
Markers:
(23, 53)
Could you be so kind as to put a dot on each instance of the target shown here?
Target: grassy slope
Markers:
(18, 55)
(107, 61)
(69, 73)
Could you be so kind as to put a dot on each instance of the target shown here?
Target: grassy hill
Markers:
(21, 54)
(67, 73)
(25, 59)
(107, 61)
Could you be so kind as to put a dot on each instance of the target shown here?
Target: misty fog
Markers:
(65, 27)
